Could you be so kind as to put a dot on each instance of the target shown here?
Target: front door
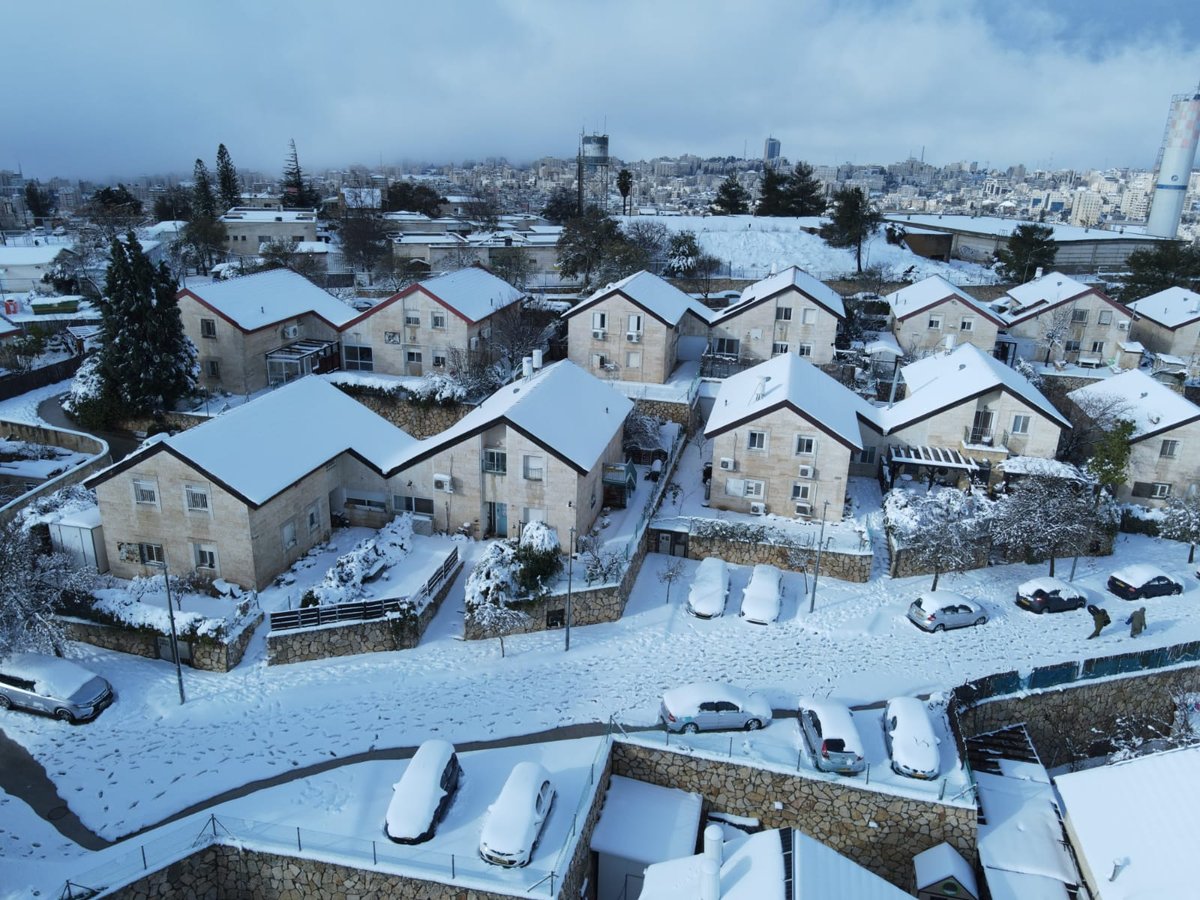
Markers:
(497, 518)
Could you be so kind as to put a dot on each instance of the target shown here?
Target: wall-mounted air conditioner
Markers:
(758, 508)
(599, 335)
(291, 332)
(443, 483)
(634, 337)
(804, 509)
(805, 472)
(728, 464)
(1122, 326)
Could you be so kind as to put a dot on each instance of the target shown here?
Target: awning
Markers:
(945, 457)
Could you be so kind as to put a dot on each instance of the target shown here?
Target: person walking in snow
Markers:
(1136, 622)
(1100, 618)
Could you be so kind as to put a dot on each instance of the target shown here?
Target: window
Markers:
(1170, 449)
(145, 492)
(726, 346)
(153, 553)
(967, 324)
(808, 316)
(634, 325)
(288, 534)
(208, 328)
(1160, 490)
(865, 457)
(204, 556)
(439, 360)
(412, 318)
(437, 319)
(592, 505)
(805, 445)
(359, 359)
(633, 359)
(1079, 316)
(756, 440)
(801, 491)
(418, 505)
(364, 502)
(779, 348)
(600, 322)
(1098, 347)
(535, 468)
(212, 368)
(495, 461)
(313, 517)
(1105, 317)
(783, 314)
(196, 497)
(1020, 425)
(393, 337)
(755, 489)
(262, 239)
(935, 322)
(1071, 346)
(413, 356)
(804, 349)
(599, 361)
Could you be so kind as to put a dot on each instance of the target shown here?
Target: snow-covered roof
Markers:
(791, 277)
(1150, 405)
(42, 255)
(943, 380)
(1152, 829)
(914, 298)
(647, 823)
(539, 408)
(264, 298)
(941, 862)
(473, 293)
(1035, 297)
(250, 214)
(261, 448)
(658, 297)
(1001, 227)
(883, 345)
(789, 381)
(1035, 465)
(1172, 308)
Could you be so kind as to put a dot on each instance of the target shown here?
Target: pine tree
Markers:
(851, 221)
(1169, 264)
(771, 200)
(732, 198)
(803, 194)
(297, 193)
(204, 202)
(1030, 247)
(228, 186)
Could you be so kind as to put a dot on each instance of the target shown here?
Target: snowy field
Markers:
(770, 244)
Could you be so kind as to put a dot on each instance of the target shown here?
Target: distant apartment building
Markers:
(248, 229)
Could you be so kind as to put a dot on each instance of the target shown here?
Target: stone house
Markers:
(426, 326)
(1169, 323)
(262, 329)
(245, 495)
(246, 229)
(934, 315)
(633, 329)
(789, 312)
(1163, 460)
(1057, 319)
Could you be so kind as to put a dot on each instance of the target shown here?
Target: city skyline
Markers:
(1086, 85)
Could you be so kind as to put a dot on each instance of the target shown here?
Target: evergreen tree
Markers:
(771, 199)
(39, 202)
(113, 209)
(683, 253)
(802, 192)
(229, 188)
(1110, 456)
(204, 202)
(297, 193)
(562, 205)
(173, 205)
(593, 247)
(1030, 247)
(851, 221)
(625, 187)
(411, 197)
(1169, 264)
(732, 198)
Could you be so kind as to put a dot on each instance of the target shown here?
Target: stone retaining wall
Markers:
(95, 448)
(223, 657)
(902, 565)
(208, 657)
(348, 638)
(419, 421)
(877, 830)
(846, 566)
(681, 413)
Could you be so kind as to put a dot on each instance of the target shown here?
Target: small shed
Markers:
(942, 874)
(620, 480)
(641, 824)
(80, 535)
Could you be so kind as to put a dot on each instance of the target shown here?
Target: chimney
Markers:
(714, 843)
(527, 367)
(710, 880)
(1037, 273)
(760, 388)
(537, 359)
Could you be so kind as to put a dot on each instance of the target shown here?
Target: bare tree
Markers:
(1045, 517)
(517, 330)
(1055, 325)
(32, 584)
(1092, 417)
(940, 531)
(670, 573)
(1181, 522)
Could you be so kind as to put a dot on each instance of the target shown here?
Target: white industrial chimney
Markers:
(1175, 159)
(537, 358)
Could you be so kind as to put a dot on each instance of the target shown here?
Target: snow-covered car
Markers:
(1142, 580)
(1047, 594)
(911, 742)
(711, 706)
(831, 736)
(939, 610)
(514, 822)
(763, 595)
(57, 687)
(423, 794)
(710, 588)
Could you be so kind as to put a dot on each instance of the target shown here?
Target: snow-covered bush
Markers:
(491, 592)
(343, 583)
(939, 531)
(87, 389)
(127, 608)
(537, 556)
(438, 389)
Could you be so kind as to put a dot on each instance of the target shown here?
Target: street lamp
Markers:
(154, 564)
(570, 560)
(812, 600)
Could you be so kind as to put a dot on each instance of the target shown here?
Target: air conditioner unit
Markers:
(805, 472)
(599, 335)
(1122, 326)
(473, 344)
(804, 509)
(443, 483)
(728, 465)
(290, 332)
(634, 337)
(758, 508)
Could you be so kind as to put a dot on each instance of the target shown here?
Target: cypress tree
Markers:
(732, 198)
(204, 203)
(851, 221)
(297, 193)
(228, 187)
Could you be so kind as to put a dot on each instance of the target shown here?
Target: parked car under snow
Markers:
(1047, 594)
(831, 735)
(423, 794)
(515, 821)
(911, 742)
(710, 706)
(763, 595)
(57, 687)
(710, 589)
(940, 610)
(1142, 580)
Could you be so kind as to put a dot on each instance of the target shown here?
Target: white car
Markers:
(514, 822)
(423, 794)
(832, 738)
(911, 742)
(763, 595)
(710, 589)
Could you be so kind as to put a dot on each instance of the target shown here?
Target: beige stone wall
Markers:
(948, 428)
(758, 330)
(656, 348)
(879, 831)
(267, 522)
(1146, 463)
(778, 466)
(1092, 330)
(70, 440)
(122, 640)
(223, 657)
(687, 416)
(391, 339)
(256, 233)
(916, 338)
(1159, 339)
(416, 420)
(845, 566)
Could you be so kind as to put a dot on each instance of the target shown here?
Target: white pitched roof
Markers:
(645, 822)
(541, 407)
(793, 276)
(263, 447)
(1150, 405)
(791, 380)
(940, 862)
(472, 292)
(915, 297)
(659, 297)
(264, 298)
(1034, 296)
(31, 256)
(1173, 307)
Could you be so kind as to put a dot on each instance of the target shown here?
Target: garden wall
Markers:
(419, 421)
(877, 830)
(95, 448)
(834, 564)
(682, 413)
(206, 656)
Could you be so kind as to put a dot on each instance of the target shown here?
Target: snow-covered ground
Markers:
(769, 244)
(24, 407)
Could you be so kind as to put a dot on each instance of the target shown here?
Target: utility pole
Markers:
(570, 560)
(812, 600)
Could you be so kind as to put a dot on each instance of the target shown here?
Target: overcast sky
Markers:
(124, 87)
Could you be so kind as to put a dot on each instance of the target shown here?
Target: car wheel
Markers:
(753, 725)
(5, 703)
(939, 627)
(1042, 609)
(691, 728)
(64, 715)
(1178, 589)
(981, 620)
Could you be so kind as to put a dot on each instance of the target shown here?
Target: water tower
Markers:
(1175, 159)
(592, 174)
